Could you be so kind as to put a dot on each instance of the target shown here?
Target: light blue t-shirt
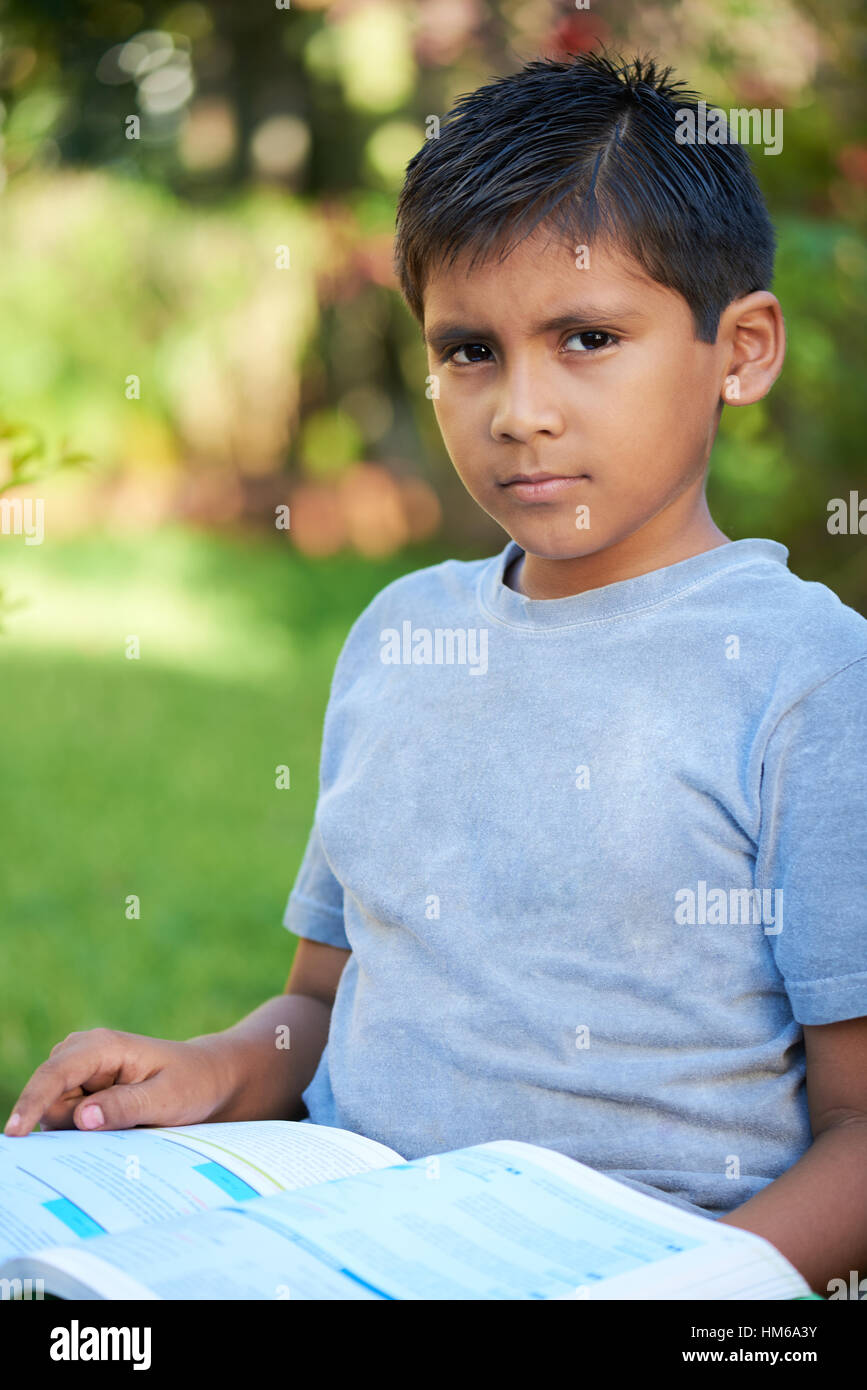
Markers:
(597, 859)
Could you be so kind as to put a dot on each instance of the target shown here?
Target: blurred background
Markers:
(200, 326)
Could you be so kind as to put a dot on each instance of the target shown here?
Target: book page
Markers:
(724, 1262)
(495, 1221)
(63, 1185)
(217, 1255)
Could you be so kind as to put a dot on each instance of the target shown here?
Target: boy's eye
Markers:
(471, 347)
(590, 340)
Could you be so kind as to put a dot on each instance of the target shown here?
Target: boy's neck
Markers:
(536, 577)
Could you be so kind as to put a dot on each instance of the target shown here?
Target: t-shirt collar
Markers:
(615, 600)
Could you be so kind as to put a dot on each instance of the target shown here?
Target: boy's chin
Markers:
(559, 546)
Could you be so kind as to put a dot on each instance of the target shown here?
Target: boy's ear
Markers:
(752, 336)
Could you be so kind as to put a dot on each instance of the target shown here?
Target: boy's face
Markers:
(591, 374)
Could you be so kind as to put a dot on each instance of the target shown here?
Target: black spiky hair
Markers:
(587, 145)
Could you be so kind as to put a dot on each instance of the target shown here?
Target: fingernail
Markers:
(92, 1117)
(14, 1121)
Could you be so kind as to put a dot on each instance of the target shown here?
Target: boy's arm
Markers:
(815, 1213)
(269, 1076)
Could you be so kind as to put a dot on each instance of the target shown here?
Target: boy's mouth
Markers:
(536, 487)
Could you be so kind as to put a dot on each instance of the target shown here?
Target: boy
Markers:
(586, 862)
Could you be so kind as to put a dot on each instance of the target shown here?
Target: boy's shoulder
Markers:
(447, 587)
(792, 645)
(807, 628)
(438, 596)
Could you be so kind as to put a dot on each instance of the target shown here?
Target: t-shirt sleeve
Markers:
(813, 847)
(315, 905)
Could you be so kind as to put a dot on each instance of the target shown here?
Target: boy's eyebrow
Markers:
(440, 333)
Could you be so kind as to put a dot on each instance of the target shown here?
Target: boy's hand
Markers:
(131, 1078)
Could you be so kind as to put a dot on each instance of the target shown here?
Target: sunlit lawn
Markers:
(156, 776)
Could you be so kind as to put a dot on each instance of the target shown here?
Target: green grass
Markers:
(157, 777)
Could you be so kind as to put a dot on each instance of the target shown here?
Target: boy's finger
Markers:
(60, 1115)
(123, 1107)
(87, 1067)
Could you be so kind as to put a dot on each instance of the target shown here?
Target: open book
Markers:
(273, 1209)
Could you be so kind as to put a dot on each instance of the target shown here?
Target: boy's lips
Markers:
(537, 486)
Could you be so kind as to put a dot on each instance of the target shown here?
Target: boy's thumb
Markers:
(120, 1107)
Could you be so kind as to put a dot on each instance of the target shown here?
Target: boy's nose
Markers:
(524, 408)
